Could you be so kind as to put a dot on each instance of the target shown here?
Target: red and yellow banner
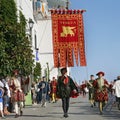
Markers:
(68, 38)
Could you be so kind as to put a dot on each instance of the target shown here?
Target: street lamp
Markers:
(31, 23)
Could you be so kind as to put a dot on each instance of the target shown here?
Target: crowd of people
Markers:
(12, 95)
(100, 92)
(51, 91)
(44, 91)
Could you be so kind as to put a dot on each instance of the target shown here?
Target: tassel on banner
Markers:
(82, 44)
(56, 57)
(70, 57)
(76, 55)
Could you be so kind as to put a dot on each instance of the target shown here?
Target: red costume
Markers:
(101, 92)
(53, 86)
(83, 86)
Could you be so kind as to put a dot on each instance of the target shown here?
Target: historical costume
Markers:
(91, 90)
(83, 88)
(53, 87)
(17, 95)
(64, 88)
(101, 91)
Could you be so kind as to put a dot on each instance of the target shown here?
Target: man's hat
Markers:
(100, 73)
(63, 70)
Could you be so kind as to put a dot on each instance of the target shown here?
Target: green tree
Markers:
(8, 20)
(37, 71)
(15, 47)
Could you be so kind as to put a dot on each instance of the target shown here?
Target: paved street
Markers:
(79, 110)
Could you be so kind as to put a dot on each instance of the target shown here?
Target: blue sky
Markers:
(102, 38)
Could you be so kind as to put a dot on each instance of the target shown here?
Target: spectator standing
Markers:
(116, 87)
(39, 92)
(44, 88)
(6, 97)
(1, 102)
(33, 93)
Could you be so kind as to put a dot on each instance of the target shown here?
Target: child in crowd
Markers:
(1, 102)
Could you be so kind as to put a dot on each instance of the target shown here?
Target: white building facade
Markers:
(38, 12)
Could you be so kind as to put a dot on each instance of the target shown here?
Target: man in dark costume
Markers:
(64, 88)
